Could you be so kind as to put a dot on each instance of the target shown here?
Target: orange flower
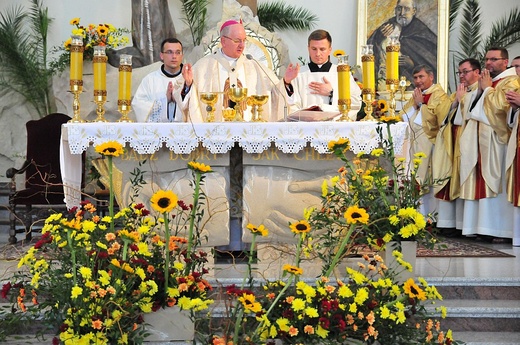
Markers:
(97, 324)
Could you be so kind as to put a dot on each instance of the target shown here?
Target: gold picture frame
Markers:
(434, 14)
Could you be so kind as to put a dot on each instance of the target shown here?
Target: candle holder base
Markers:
(344, 108)
(76, 90)
(392, 88)
(368, 99)
(124, 107)
(100, 108)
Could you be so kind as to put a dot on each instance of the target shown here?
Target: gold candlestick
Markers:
(368, 98)
(344, 101)
(76, 76)
(100, 100)
(392, 70)
(124, 103)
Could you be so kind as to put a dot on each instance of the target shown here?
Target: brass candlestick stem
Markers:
(368, 99)
(344, 108)
(124, 107)
(100, 98)
(76, 88)
(392, 88)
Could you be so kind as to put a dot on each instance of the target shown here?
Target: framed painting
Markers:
(422, 28)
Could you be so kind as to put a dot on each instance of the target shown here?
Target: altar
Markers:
(264, 173)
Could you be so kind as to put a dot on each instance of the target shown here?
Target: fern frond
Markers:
(454, 11)
(281, 16)
(470, 38)
(504, 32)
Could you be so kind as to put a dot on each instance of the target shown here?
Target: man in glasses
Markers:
(446, 154)
(159, 96)
(230, 68)
(487, 212)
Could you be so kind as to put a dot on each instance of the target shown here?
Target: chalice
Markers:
(256, 101)
(210, 99)
(237, 95)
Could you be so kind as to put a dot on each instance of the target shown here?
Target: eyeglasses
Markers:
(466, 71)
(494, 59)
(171, 52)
(236, 40)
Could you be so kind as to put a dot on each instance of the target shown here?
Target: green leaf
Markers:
(281, 16)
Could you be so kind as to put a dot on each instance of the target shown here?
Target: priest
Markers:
(230, 68)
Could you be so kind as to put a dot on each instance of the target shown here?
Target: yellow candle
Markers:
(343, 82)
(125, 77)
(392, 63)
(125, 83)
(369, 80)
(76, 60)
(100, 73)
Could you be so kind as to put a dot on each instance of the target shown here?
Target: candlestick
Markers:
(125, 87)
(100, 81)
(76, 75)
(369, 82)
(392, 70)
(344, 100)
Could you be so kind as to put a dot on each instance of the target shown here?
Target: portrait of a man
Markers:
(415, 23)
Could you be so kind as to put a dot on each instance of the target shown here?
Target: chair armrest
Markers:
(11, 172)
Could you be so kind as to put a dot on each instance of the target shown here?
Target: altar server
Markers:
(159, 96)
(316, 83)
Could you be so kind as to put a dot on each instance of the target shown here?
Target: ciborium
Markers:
(228, 114)
(256, 102)
(210, 99)
(237, 95)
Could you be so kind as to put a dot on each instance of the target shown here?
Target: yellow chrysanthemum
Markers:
(199, 167)
(163, 201)
(338, 52)
(355, 214)
(110, 148)
(300, 227)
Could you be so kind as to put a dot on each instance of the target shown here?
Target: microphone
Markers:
(285, 107)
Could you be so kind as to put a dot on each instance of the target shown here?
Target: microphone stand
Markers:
(285, 107)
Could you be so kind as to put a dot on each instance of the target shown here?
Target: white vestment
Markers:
(150, 103)
(210, 74)
(492, 216)
(303, 98)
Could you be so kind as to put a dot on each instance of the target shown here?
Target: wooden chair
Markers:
(43, 184)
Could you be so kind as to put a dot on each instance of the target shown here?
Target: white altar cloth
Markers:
(217, 138)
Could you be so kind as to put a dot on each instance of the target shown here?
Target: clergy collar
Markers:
(229, 58)
(168, 74)
(428, 90)
(323, 68)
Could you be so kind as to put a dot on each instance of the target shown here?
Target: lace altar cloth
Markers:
(183, 138)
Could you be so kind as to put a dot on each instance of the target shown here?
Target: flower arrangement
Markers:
(93, 35)
(367, 306)
(379, 184)
(93, 277)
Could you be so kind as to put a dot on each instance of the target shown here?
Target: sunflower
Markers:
(413, 290)
(258, 230)
(390, 119)
(356, 214)
(164, 201)
(199, 167)
(74, 21)
(110, 148)
(338, 52)
(343, 143)
(249, 303)
(382, 105)
(102, 30)
(300, 227)
(292, 269)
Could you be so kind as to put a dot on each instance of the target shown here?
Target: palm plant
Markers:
(195, 17)
(278, 15)
(23, 55)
